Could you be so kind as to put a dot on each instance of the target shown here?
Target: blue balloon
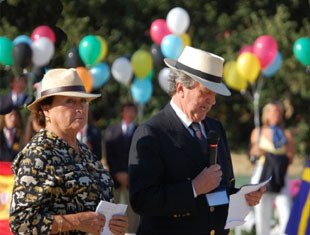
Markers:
(141, 90)
(274, 66)
(22, 38)
(171, 46)
(100, 73)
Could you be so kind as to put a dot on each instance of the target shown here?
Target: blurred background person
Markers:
(32, 127)
(58, 180)
(11, 134)
(16, 97)
(91, 136)
(117, 144)
(273, 148)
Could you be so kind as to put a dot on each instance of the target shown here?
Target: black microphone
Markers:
(212, 139)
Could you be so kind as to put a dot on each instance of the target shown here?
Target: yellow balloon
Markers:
(104, 49)
(232, 78)
(86, 78)
(248, 66)
(141, 62)
(186, 39)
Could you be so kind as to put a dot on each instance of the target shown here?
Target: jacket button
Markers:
(211, 208)
(212, 232)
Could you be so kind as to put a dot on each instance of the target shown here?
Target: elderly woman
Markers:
(59, 182)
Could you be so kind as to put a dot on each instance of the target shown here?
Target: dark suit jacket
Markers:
(7, 154)
(7, 105)
(94, 140)
(117, 150)
(164, 158)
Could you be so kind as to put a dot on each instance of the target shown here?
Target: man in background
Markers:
(117, 144)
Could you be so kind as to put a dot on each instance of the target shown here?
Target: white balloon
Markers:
(163, 77)
(177, 20)
(42, 51)
(122, 70)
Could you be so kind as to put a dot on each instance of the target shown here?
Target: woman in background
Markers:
(273, 147)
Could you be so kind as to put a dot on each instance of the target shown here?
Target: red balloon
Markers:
(159, 30)
(265, 48)
(43, 31)
(246, 48)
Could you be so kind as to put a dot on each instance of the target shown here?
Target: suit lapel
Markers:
(182, 138)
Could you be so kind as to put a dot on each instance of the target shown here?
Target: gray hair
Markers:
(179, 77)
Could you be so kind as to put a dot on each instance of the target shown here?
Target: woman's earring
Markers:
(47, 119)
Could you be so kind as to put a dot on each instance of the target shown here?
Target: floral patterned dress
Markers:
(51, 179)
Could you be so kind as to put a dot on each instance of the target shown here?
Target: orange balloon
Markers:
(86, 78)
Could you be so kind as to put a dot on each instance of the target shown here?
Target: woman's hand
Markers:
(91, 222)
(118, 224)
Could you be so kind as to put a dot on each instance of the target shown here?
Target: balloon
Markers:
(42, 51)
(177, 20)
(101, 74)
(171, 46)
(150, 75)
(22, 38)
(232, 78)
(159, 30)
(141, 90)
(248, 66)
(265, 48)
(122, 70)
(104, 49)
(141, 62)
(301, 50)
(22, 55)
(60, 35)
(163, 77)
(271, 69)
(6, 48)
(186, 39)
(157, 56)
(86, 78)
(73, 58)
(43, 31)
(90, 49)
(246, 48)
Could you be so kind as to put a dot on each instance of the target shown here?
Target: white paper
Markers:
(238, 207)
(109, 209)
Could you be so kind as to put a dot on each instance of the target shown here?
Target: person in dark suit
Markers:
(11, 134)
(169, 169)
(16, 97)
(91, 136)
(117, 143)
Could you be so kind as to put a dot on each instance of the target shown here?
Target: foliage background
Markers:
(218, 26)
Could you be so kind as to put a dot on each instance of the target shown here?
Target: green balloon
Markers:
(301, 50)
(89, 49)
(6, 50)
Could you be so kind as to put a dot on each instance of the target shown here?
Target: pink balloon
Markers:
(265, 48)
(246, 48)
(159, 30)
(43, 31)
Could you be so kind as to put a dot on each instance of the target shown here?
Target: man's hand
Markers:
(208, 179)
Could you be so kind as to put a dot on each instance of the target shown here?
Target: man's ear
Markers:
(179, 88)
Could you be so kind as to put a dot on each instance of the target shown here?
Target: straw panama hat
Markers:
(204, 67)
(64, 82)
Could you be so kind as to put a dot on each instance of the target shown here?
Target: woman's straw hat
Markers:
(64, 82)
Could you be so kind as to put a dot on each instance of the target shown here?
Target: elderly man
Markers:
(172, 181)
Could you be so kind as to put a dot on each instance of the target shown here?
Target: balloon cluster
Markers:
(169, 38)
(24, 51)
(260, 57)
(88, 59)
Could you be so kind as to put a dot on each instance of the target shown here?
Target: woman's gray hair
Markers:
(179, 77)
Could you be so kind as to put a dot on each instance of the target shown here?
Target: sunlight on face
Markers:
(67, 114)
(197, 102)
(275, 115)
